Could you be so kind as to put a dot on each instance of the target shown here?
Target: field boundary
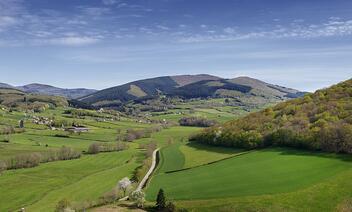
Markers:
(210, 163)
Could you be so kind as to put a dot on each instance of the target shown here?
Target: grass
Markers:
(171, 158)
(80, 180)
(262, 172)
(328, 195)
(43, 186)
(196, 154)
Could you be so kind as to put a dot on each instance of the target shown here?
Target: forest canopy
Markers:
(318, 121)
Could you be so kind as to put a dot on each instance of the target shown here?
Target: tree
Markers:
(3, 166)
(94, 148)
(21, 123)
(161, 200)
(139, 198)
(124, 184)
(170, 207)
(62, 205)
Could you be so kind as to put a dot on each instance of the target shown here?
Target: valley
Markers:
(52, 151)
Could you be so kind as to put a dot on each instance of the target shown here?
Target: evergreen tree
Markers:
(161, 200)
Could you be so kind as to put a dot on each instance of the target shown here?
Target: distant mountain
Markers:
(144, 88)
(54, 91)
(4, 85)
(248, 90)
(14, 98)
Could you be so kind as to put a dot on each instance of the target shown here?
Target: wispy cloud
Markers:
(6, 21)
(297, 29)
(110, 2)
(70, 41)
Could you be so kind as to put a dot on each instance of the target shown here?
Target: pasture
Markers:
(264, 174)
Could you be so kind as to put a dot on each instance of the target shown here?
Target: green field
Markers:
(195, 176)
(81, 180)
(263, 173)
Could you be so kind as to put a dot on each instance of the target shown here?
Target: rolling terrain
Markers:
(55, 91)
(197, 175)
(243, 89)
(227, 168)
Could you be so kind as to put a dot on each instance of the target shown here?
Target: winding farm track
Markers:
(149, 173)
(146, 177)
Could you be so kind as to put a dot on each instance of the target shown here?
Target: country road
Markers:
(149, 173)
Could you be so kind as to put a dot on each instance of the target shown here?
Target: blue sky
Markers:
(304, 44)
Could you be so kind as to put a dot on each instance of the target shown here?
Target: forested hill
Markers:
(319, 121)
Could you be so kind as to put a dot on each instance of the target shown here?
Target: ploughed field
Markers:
(207, 179)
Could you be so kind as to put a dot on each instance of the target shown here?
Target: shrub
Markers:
(94, 148)
(138, 197)
(63, 205)
(3, 166)
(110, 197)
(170, 207)
(196, 122)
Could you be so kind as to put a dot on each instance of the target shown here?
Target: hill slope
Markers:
(144, 88)
(194, 86)
(236, 88)
(4, 85)
(20, 100)
(51, 90)
(319, 121)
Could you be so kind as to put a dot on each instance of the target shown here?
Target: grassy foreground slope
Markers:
(40, 188)
(268, 171)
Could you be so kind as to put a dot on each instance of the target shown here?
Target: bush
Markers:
(62, 206)
(138, 197)
(3, 166)
(110, 197)
(34, 159)
(170, 207)
(94, 148)
(97, 147)
(196, 122)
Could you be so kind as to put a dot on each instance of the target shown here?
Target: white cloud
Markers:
(229, 30)
(6, 21)
(162, 27)
(109, 2)
(297, 29)
(71, 41)
(95, 11)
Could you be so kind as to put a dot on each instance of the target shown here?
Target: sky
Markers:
(302, 44)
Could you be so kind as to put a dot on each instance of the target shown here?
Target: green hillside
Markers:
(16, 99)
(142, 88)
(319, 121)
(246, 90)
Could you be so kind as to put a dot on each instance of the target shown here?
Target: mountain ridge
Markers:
(192, 86)
(55, 91)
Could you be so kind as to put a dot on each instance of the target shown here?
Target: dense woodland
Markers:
(319, 121)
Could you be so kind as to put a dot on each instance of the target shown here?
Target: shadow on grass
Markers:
(217, 149)
(304, 152)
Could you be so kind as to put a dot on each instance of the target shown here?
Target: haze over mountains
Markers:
(51, 90)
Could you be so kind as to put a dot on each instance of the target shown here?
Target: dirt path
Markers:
(149, 173)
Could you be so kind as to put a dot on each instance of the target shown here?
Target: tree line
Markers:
(319, 121)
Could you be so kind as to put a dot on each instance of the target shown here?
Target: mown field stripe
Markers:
(210, 163)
